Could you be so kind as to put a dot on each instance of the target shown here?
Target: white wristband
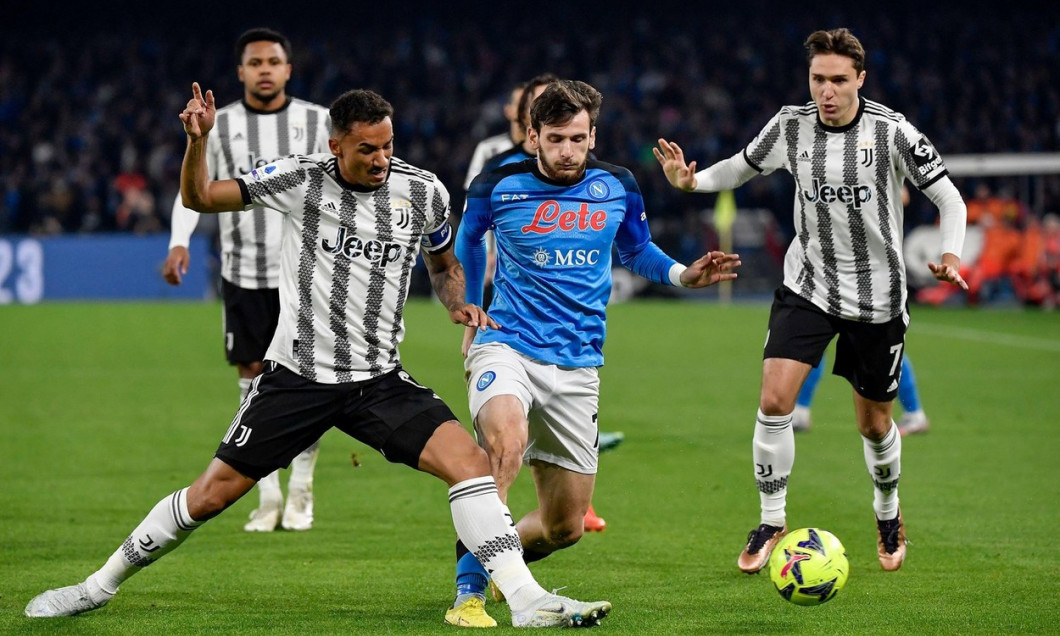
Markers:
(675, 274)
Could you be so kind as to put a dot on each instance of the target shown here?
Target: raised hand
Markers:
(948, 272)
(712, 267)
(198, 115)
(672, 159)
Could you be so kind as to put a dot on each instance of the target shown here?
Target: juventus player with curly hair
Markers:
(354, 221)
(843, 273)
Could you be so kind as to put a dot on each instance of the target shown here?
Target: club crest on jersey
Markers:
(349, 245)
(402, 211)
(485, 380)
(549, 217)
(598, 190)
(866, 152)
(854, 195)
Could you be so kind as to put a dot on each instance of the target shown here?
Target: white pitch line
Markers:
(976, 335)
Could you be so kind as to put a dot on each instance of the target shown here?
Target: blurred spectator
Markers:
(73, 109)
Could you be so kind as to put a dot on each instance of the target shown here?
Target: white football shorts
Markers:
(560, 403)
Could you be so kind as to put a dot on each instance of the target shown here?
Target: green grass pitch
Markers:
(105, 408)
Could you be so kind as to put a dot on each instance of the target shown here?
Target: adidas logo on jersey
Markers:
(804, 155)
(330, 205)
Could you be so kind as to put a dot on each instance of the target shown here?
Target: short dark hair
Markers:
(358, 106)
(261, 35)
(562, 100)
(528, 94)
(839, 41)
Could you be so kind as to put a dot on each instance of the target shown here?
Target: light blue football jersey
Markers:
(554, 243)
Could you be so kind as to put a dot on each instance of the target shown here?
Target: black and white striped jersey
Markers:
(345, 261)
(244, 139)
(847, 254)
(485, 150)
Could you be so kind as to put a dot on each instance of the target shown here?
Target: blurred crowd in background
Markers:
(90, 140)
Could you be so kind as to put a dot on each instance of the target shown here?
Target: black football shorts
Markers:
(284, 413)
(250, 318)
(868, 355)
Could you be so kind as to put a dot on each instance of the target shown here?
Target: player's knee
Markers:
(463, 461)
(775, 404)
(209, 500)
(565, 532)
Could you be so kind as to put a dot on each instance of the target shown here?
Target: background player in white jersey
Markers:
(492, 146)
(533, 385)
(354, 222)
(266, 125)
(843, 273)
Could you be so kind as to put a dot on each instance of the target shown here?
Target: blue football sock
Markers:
(908, 395)
(471, 577)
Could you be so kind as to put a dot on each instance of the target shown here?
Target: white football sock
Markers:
(484, 524)
(162, 530)
(884, 461)
(244, 388)
(774, 455)
(302, 469)
(269, 493)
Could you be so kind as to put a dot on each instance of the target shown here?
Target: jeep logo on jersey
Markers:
(598, 190)
(925, 157)
(351, 246)
(851, 195)
(548, 218)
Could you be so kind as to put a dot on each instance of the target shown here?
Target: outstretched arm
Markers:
(726, 174)
(711, 268)
(680, 175)
(447, 279)
(953, 217)
(196, 190)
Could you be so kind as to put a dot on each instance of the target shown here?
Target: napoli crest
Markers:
(485, 380)
(598, 190)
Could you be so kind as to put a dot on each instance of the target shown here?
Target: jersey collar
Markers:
(853, 122)
(267, 112)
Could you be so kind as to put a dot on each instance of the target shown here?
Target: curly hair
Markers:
(358, 106)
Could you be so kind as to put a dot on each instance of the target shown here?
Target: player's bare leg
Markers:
(563, 497)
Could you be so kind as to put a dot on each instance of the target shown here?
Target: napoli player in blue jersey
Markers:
(532, 384)
(532, 89)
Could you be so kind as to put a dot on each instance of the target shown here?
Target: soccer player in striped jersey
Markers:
(533, 385)
(266, 125)
(354, 221)
(495, 145)
(843, 273)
